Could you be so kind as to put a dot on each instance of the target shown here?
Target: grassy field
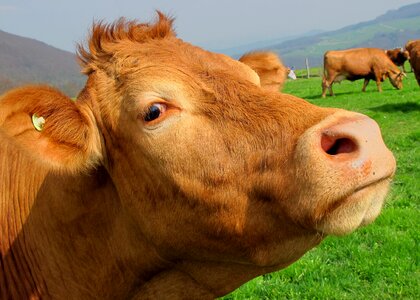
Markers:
(380, 261)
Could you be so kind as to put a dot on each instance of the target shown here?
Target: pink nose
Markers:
(346, 148)
(335, 145)
(356, 143)
(343, 170)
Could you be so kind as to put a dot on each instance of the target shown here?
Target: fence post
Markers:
(307, 68)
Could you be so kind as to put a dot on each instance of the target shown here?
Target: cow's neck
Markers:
(68, 238)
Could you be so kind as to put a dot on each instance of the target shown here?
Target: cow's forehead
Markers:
(174, 54)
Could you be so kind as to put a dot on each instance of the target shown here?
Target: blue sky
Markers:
(215, 24)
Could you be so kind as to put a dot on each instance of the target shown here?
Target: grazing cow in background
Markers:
(174, 175)
(413, 47)
(398, 56)
(269, 68)
(359, 63)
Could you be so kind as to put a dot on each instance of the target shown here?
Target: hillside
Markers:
(24, 60)
(238, 51)
(390, 30)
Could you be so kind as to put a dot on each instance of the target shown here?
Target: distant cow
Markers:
(359, 63)
(269, 68)
(398, 56)
(413, 47)
(173, 175)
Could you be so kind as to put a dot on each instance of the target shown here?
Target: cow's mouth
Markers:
(359, 192)
(357, 208)
(365, 191)
(372, 184)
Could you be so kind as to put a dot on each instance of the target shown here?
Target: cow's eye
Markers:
(154, 111)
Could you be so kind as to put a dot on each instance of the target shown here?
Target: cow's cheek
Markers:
(194, 187)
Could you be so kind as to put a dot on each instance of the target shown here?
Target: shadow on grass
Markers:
(397, 107)
(339, 94)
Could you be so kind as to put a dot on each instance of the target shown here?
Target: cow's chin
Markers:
(359, 209)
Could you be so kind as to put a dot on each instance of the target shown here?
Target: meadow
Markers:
(380, 261)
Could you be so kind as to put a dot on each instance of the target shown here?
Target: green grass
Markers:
(380, 261)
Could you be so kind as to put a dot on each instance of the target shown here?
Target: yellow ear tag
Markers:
(38, 122)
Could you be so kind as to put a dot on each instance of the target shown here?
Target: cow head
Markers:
(204, 158)
(396, 78)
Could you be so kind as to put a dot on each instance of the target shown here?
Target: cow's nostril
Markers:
(334, 146)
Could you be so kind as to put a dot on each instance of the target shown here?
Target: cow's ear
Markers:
(50, 127)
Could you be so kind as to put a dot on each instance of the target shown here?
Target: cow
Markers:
(269, 68)
(173, 175)
(413, 47)
(359, 63)
(398, 56)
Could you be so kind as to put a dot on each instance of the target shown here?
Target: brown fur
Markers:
(413, 47)
(398, 56)
(230, 182)
(269, 68)
(359, 63)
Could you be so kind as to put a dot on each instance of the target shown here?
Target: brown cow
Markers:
(398, 56)
(358, 63)
(269, 68)
(173, 174)
(413, 47)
